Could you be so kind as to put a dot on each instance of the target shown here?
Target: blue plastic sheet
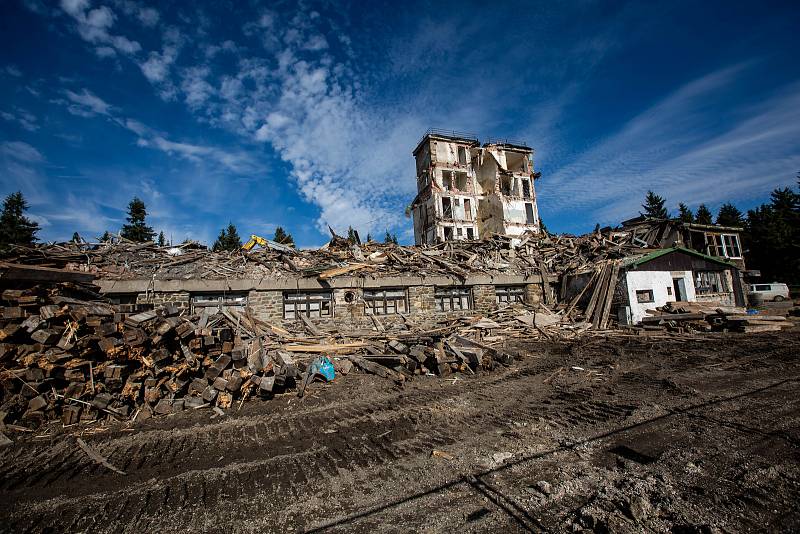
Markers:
(324, 367)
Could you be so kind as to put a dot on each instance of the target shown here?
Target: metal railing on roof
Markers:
(449, 133)
(505, 141)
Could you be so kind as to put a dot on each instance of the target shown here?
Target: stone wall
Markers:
(483, 298)
(178, 298)
(533, 294)
(348, 304)
(266, 305)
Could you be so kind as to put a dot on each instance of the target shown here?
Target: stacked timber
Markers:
(707, 317)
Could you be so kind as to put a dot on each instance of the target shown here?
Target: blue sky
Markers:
(304, 114)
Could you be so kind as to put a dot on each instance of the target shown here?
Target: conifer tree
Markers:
(162, 241)
(685, 214)
(729, 215)
(282, 237)
(703, 215)
(15, 228)
(654, 207)
(228, 239)
(137, 229)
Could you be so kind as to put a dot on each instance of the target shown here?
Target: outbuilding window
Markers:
(218, 301)
(385, 301)
(644, 296)
(453, 298)
(509, 294)
(308, 303)
(706, 282)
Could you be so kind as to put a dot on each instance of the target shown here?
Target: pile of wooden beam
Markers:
(66, 353)
(601, 289)
(702, 317)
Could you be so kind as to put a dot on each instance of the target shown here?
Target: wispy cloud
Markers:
(21, 151)
(12, 70)
(23, 118)
(93, 25)
(86, 104)
(673, 149)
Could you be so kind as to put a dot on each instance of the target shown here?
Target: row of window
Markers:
(392, 301)
(383, 301)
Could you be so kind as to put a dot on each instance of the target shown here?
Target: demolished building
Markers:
(467, 190)
(718, 241)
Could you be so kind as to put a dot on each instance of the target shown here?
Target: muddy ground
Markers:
(676, 436)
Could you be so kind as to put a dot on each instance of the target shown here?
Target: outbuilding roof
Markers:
(635, 261)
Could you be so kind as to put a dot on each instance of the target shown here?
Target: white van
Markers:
(768, 292)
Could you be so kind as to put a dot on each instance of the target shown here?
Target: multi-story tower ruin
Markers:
(466, 190)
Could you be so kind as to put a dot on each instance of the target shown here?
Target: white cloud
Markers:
(158, 65)
(23, 118)
(21, 151)
(195, 86)
(93, 25)
(105, 51)
(86, 104)
(12, 70)
(148, 16)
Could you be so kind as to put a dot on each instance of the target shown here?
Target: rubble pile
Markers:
(536, 253)
(67, 353)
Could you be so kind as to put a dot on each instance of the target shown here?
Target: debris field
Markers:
(526, 417)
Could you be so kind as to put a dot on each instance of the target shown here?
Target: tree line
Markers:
(18, 229)
(770, 232)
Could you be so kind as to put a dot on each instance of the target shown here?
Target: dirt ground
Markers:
(619, 435)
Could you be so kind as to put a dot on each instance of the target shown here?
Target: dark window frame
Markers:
(218, 300)
(446, 298)
(296, 306)
(386, 301)
(506, 295)
(641, 294)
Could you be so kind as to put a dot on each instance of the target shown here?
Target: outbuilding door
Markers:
(680, 289)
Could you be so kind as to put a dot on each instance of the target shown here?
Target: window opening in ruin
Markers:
(349, 297)
(526, 188)
(308, 303)
(385, 301)
(123, 298)
(529, 213)
(218, 301)
(447, 180)
(459, 232)
(505, 295)
(467, 209)
(723, 245)
(453, 298)
(644, 295)
(448, 233)
(447, 208)
(462, 155)
(515, 162)
(470, 233)
(710, 282)
(461, 181)
(505, 185)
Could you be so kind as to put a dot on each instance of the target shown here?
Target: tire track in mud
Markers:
(309, 449)
(366, 436)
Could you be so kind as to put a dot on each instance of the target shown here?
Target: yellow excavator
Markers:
(265, 243)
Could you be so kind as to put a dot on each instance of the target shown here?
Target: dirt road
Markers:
(619, 435)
